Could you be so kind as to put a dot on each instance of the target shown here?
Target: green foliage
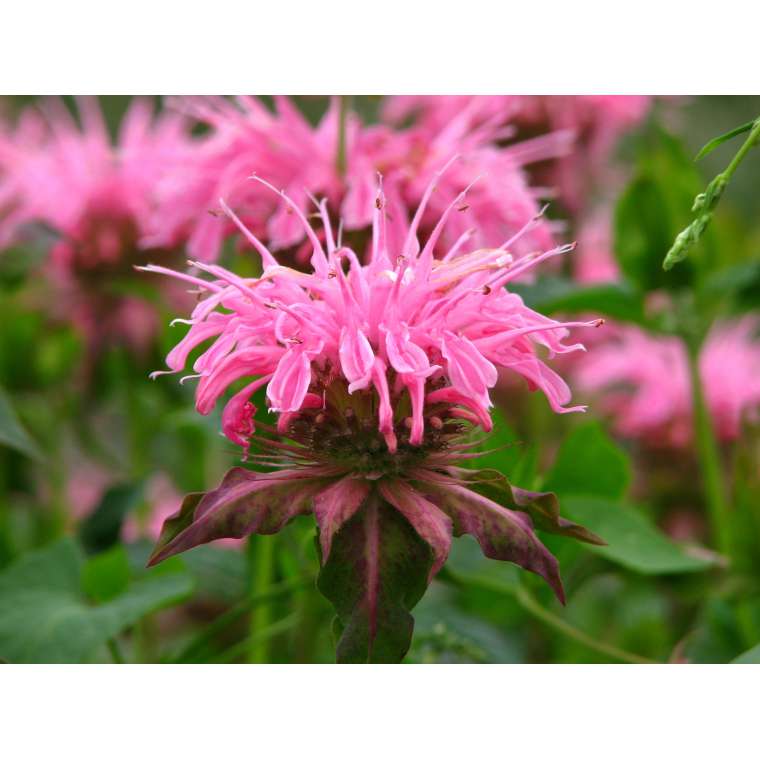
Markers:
(706, 202)
(651, 211)
(45, 616)
(632, 540)
(750, 657)
(102, 528)
(12, 433)
(555, 295)
(589, 462)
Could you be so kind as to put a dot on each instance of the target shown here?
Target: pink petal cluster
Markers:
(96, 198)
(245, 138)
(645, 384)
(591, 123)
(405, 324)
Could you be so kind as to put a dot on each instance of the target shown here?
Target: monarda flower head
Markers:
(95, 197)
(378, 373)
(245, 136)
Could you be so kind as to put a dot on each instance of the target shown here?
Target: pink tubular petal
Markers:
(237, 416)
(356, 358)
(291, 380)
(470, 372)
(385, 410)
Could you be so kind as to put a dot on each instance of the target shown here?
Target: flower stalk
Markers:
(715, 490)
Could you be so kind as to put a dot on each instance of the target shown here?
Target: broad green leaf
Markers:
(106, 575)
(633, 541)
(652, 210)
(718, 635)
(554, 294)
(750, 657)
(376, 572)
(102, 528)
(589, 462)
(12, 433)
(45, 617)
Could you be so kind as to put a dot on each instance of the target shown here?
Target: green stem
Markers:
(525, 599)
(261, 635)
(341, 159)
(709, 459)
(530, 605)
(197, 647)
(749, 143)
(261, 563)
(115, 651)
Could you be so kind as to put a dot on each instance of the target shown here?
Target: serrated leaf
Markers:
(45, 617)
(589, 462)
(633, 541)
(377, 571)
(246, 502)
(542, 506)
(12, 433)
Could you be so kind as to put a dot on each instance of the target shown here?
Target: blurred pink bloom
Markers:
(645, 387)
(85, 487)
(405, 325)
(94, 196)
(246, 138)
(594, 263)
(591, 126)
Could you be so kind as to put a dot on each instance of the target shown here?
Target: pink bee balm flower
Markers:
(375, 372)
(645, 385)
(94, 196)
(590, 125)
(247, 138)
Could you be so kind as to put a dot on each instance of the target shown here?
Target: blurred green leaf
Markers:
(652, 210)
(750, 657)
(717, 637)
(740, 282)
(45, 618)
(102, 528)
(554, 294)
(106, 575)
(632, 540)
(444, 633)
(12, 433)
(589, 462)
